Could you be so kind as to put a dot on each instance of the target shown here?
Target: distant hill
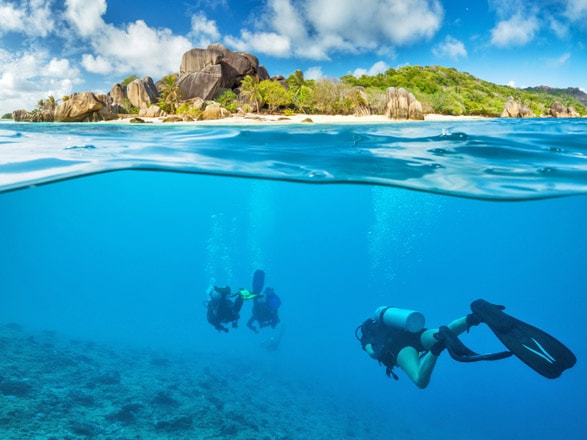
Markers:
(448, 91)
(575, 92)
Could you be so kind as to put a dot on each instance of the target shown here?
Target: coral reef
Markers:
(55, 388)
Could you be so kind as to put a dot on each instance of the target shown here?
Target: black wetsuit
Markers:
(387, 342)
(223, 310)
(264, 314)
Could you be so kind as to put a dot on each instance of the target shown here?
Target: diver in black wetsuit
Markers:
(414, 352)
(222, 309)
(265, 310)
(397, 336)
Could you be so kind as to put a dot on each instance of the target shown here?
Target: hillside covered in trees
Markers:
(447, 91)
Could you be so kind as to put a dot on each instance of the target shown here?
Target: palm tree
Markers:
(249, 88)
(169, 93)
(298, 89)
(50, 103)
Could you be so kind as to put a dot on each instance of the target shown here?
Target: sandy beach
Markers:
(253, 119)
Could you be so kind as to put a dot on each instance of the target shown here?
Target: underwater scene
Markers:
(114, 237)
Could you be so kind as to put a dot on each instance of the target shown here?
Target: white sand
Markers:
(254, 119)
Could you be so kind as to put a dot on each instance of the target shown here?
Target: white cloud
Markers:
(378, 67)
(450, 48)
(204, 32)
(268, 43)
(131, 48)
(85, 15)
(576, 10)
(27, 77)
(564, 58)
(61, 68)
(560, 29)
(31, 17)
(314, 29)
(512, 84)
(96, 64)
(139, 49)
(287, 20)
(314, 73)
(559, 61)
(516, 31)
(507, 8)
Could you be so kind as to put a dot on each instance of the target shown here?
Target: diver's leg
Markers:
(238, 303)
(458, 326)
(419, 370)
(250, 324)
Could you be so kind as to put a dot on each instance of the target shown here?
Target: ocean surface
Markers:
(111, 236)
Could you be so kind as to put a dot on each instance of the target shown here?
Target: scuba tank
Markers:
(402, 319)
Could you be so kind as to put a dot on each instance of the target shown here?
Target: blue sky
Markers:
(56, 47)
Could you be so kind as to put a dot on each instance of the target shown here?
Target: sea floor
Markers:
(53, 387)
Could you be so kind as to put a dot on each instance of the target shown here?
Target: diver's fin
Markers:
(536, 348)
(460, 352)
(258, 281)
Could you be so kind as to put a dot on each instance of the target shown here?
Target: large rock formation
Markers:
(402, 105)
(22, 116)
(512, 109)
(361, 101)
(36, 116)
(557, 110)
(205, 72)
(201, 84)
(142, 92)
(198, 59)
(109, 108)
(85, 107)
(214, 111)
(118, 94)
(153, 111)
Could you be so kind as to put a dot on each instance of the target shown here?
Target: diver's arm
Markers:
(370, 351)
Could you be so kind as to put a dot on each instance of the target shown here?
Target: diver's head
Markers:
(220, 292)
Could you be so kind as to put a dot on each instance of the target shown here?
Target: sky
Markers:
(57, 47)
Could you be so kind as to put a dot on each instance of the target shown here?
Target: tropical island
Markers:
(216, 83)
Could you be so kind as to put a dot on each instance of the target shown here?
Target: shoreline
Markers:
(254, 119)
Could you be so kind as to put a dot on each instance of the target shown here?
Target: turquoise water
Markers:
(107, 273)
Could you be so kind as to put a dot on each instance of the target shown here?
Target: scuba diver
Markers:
(397, 336)
(265, 310)
(222, 309)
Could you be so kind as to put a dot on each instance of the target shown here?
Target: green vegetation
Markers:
(249, 89)
(169, 95)
(129, 108)
(439, 89)
(49, 104)
(300, 91)
(447, 91)
(186, 109)
(126, 81)
(7, 116)
(274, 95)
(229, 100)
